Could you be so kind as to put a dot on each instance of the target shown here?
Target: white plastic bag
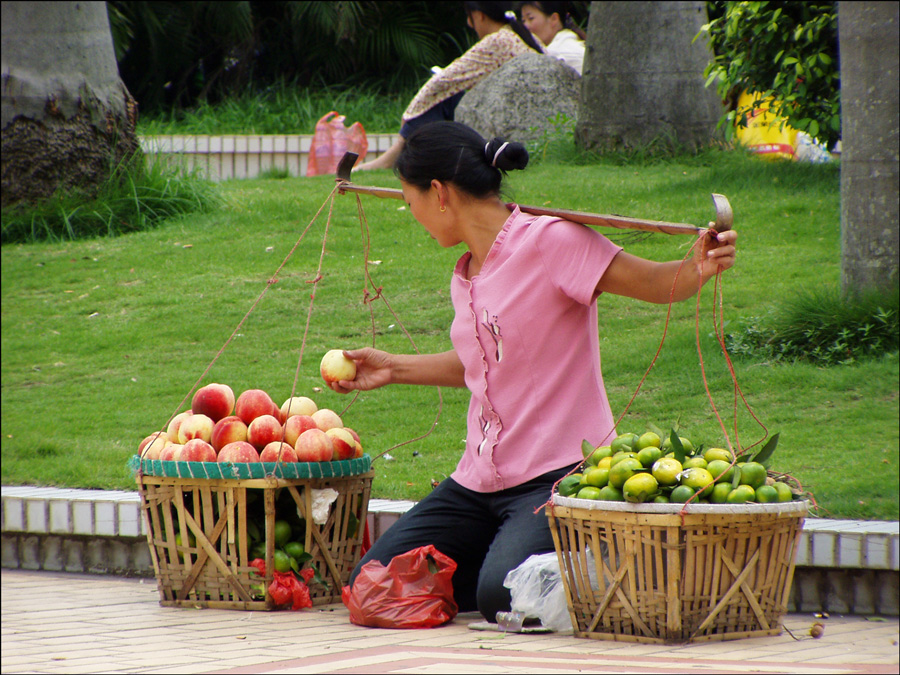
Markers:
(537, 592)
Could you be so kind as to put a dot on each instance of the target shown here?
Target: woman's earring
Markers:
(443, 208)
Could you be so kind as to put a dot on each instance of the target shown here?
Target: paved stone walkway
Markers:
(70, 623)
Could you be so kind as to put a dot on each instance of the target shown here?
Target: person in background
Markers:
(501, 37)
(525, 343)
(553, 25)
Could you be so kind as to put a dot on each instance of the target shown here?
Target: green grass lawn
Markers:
(102, 340)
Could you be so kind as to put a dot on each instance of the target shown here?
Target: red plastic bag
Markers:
(285, 587)
(413, 591)
(331, 140)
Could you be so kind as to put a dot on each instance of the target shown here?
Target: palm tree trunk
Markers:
(643, 77)
(67, 119)
(868, 35)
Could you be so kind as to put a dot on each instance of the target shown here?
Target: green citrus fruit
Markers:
(569, 485)
(605, 463)
(720, 493)
(611, 494)
(766, 494)
(596, 476)
(717, 453)
(784, 491)
(753, 474)
(282, 561)
(647, 456)
(666, 470)
(695, 462)
(660, 499)
(681, 494)
(598, 454)
(624, 441)
(619, 456)
(639, 488)
(588, 492)
(282, 532)
(721, 470)
(622, 471)
(648, 440)
(294, 549)
(741, 495)
(700, 479)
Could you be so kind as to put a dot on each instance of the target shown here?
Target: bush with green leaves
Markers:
(786, 50)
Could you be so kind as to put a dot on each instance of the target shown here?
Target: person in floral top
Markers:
(501, 37)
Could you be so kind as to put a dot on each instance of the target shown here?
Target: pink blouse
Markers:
(525, 329)
(482, 59)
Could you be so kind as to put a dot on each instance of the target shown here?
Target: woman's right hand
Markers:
(373, 369)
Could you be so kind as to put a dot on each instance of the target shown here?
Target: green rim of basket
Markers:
(244, 470)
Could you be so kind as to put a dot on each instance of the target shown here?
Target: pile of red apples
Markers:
(218, 428)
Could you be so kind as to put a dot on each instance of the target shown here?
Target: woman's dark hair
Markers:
(503, 12)
(453, 153)
(561, 8)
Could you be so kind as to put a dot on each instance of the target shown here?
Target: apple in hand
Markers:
(276, 451)
(314, 445)
(228, 430)
(214, 400)
(297, 405)
(198, 450)
(335, 366)
(239, 451)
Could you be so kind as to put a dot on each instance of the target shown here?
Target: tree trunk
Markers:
(67, 119)
(868, 36)
(643, 77)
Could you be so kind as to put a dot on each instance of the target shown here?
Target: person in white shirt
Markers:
(553, 25)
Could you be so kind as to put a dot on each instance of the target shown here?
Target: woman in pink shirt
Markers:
(501, 37)
(525, 344)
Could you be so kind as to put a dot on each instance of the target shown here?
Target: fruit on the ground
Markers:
(721, 470)
(174, 423)
(784, 491)
(297, 405)
(264, 430)
(342, 443)
(240, 451)
(277, 451)
(214, 400)
(741, 495)
(647, 456)
(718, 453)
(254, 403)
(753, 474)
(335, 366)
(314, 445)
(570, 485)
(647, 440)
(766, 494)
(622, 471)
(640, 488)
(197, 450)
(596, 476)
(296, 425)
(666, 470)
(229, 429)
(326, 419)
(699, 479)
(195, 426)
(588, 492)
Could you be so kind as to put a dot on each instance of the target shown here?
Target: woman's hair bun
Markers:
(505, 155)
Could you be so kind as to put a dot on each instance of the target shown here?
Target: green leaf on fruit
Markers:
(586, 448)
(736, 480)
(764, 456)
(677, 446)
(656, 430)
